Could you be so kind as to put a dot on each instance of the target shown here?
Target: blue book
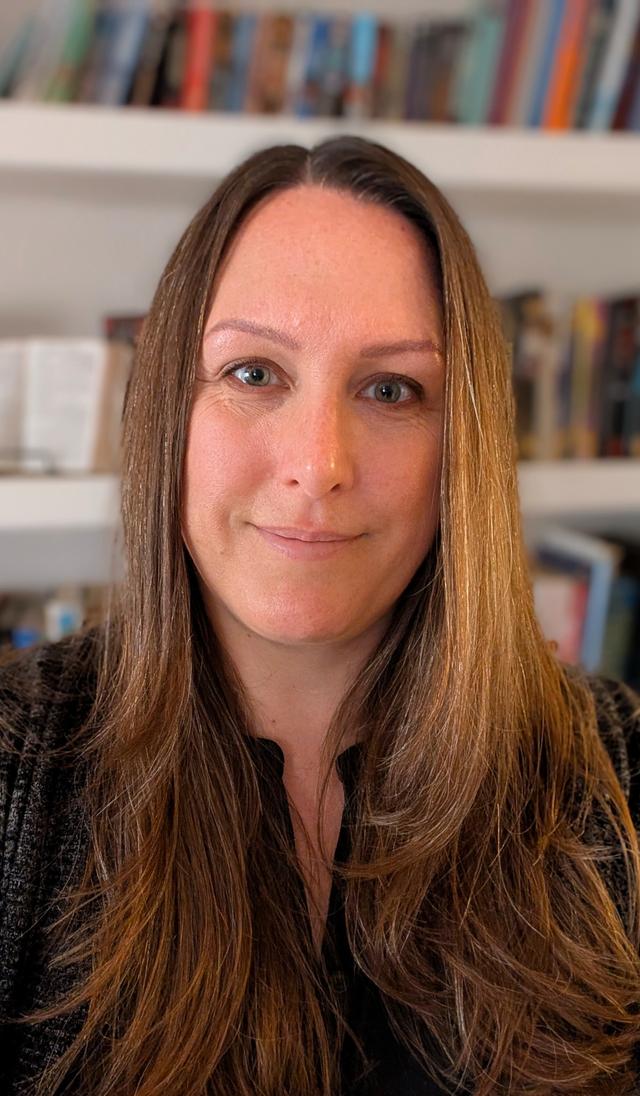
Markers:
(244, 28)
(547, 57)
(360, 65)
(128, 29)
(318, 45)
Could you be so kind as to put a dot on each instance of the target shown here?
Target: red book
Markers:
(201, 29)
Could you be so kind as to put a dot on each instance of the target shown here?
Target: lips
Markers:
(324, 535)
(295, 548)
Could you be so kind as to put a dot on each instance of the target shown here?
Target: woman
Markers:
(317, 810)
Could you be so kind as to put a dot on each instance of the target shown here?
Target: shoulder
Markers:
(45, 693)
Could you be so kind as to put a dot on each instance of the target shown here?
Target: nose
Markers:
(318, 450)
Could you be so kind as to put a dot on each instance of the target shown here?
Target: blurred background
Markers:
(117, 117)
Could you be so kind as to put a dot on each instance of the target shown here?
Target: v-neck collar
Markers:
(347, 762)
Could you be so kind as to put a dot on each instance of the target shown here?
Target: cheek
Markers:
(219, 462)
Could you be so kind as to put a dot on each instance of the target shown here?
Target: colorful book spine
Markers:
(541, 81)
(200, 36)
(563, 80)
(123, 51)
(598, 29)
(516, 23)
(614, 65)
(517, 110)
(361, 63)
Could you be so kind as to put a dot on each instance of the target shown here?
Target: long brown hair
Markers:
(474, 898)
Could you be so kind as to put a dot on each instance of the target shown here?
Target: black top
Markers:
(43, 842)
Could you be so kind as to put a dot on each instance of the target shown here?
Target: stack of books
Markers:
(555, 64)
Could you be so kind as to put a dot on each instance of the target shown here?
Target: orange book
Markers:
(201, 30)
(563, 82)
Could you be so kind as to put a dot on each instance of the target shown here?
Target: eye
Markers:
(389, 386)
(253, 372)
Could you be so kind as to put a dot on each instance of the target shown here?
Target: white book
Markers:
(12, 364)
(64, 384)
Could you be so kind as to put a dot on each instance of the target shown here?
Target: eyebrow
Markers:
(374, 350)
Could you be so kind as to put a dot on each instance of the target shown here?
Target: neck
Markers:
(295, 689)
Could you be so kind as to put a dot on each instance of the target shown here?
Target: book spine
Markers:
(75, 50)
(536, 109)
(244, 31)
(200, 31)
(515, 26)
(518, 110)
(598, 28)
(619, 362)
(630, 85)
(614, 65)
(124, 48)
(559, 103)
(361, 61)
(222, 59)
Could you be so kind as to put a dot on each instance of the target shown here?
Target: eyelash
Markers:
(416, 388)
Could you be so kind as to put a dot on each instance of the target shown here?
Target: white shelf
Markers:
(575, 488)
(40, 504)
(174, 144)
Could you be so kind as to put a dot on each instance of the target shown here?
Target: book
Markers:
(222, 59)
(597, 35)
(560, 602)
(65, 81)
(450, 41)
(201, 26)
(61, 403)
(331, 99)
(122, 51)
(516, 22)
(267, 75)
(42, 50)
(620, 357)
(244, 30)
(562, 87)
(168, 89)
(589, 328)
(11, 396)
(14, 51)
(595, 559)
(555, 16)
(614, 65)
(516, 107)
(630, 85)
(478, 62)
(358, 98)
(144, 90)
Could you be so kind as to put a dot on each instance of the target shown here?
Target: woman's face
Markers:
(305, 416)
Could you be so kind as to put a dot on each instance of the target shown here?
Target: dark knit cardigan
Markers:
(43, 841)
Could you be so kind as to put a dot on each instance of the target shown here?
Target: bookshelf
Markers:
(93, 199)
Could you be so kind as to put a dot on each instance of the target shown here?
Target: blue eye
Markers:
(387, 385)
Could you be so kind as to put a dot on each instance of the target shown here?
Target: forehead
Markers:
(321, 249)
